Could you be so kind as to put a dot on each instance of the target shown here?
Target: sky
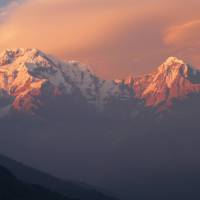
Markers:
(115, 38)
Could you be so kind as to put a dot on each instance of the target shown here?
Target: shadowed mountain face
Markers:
(60, 117)
(11, 188)
(29, 175)
(158, 185)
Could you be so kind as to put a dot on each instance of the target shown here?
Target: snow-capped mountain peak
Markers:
(26, 74)
(29, 78)
(23, 54)
(172, 79)
(173, 60)
(174, 67)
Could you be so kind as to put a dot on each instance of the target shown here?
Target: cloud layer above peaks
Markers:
(115, 37)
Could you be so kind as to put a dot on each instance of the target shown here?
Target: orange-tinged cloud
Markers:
(185, 35)
(184, 39)
(61, 25)
(116, 37)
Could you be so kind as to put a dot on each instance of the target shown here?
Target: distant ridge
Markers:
(68, 188)
(12, 188)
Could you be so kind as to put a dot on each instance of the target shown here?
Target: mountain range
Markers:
(31, 80)
(60, 117)
(174, 79)
(28, 76)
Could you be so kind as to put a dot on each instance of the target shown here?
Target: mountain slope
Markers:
(68, 188)
(28, 78)
(31, 80)
(57, 115)
(13, 189)
(174, 79)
